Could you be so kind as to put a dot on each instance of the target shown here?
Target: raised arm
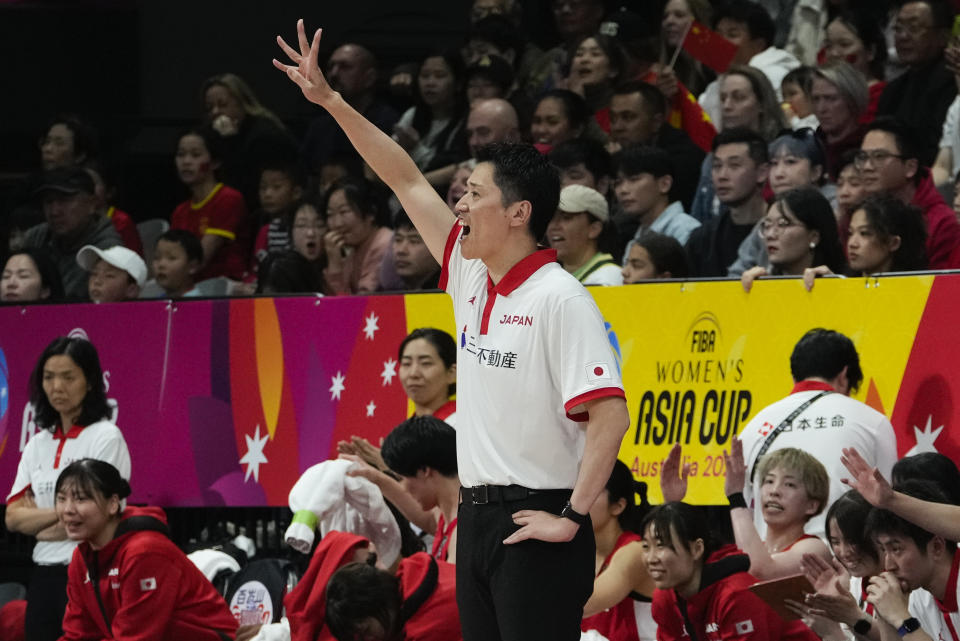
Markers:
(938, 518)
(763, 564)
(388, 160)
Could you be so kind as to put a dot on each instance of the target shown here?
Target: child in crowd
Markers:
(214, 213)
(176, 263)
(306, 238)
(116, 274)
(281, 187)
(122, 221)
(850, 193)
(797, 104)
(654, 256)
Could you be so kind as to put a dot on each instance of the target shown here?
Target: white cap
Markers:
(578, 198)
(118, 256)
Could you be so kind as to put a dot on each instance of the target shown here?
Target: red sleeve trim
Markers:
(19, 495)
(586, 397)
(447, 252)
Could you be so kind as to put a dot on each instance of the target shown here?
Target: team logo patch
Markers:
(598, 372)
(744, 627)
(148, 584)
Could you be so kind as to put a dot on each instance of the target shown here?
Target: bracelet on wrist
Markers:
(736, 500)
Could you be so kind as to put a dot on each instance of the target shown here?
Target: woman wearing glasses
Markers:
(798, 232)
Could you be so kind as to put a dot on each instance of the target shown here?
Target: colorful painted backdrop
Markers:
(226, 402)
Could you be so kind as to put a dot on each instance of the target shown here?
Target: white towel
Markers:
(327, 497)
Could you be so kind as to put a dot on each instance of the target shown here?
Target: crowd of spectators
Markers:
(855, 101)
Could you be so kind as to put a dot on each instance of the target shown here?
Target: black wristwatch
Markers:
(908, 626)
(569, 513)
(862, 626)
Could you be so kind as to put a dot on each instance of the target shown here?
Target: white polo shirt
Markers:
(948, 607)
(830, 424)
(532, 350)
(45, 456)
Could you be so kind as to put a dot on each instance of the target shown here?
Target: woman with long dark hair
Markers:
(71, 410)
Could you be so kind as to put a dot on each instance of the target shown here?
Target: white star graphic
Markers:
(371, 327)
(371, 408)
(337, 386)
(389, 371)
(254, 456)
(925, 438)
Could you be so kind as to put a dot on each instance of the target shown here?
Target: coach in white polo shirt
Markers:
(824, 420)
(70, 407)
(540, 408)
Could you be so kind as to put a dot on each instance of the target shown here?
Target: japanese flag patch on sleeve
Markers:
(151, 584)
(744, 627)
(598, 371)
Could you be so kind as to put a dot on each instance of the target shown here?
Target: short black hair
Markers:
(212, 140)
(889, 216)
(582, 150)
(643, 159)
(499, 31)
(929, 466)
(756, 145)
(94, 406)
(941, 12)
(573, 103)
(50, 277)
(851, 511)
(523, 173)
(653, 98)
(442, 342)
(884, 522)
(757, 20)
(802, 76)
(287, 272)
(290, 168)
(358, 592)
(420, 442)
(904, 136)
(667, 254)
(824, 353)
(365, 197)
(190, 243)
(86, 140)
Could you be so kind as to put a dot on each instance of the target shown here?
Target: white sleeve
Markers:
(112, 448)
(22, 481)
(948, 137)
(886, 452)
(588, 366)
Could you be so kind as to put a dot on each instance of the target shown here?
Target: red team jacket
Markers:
(149, 589)
(723, 609)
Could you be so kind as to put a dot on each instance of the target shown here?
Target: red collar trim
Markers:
(812, 386)
(446, 410)
(949, 603)
(520, 272)
(74, 432)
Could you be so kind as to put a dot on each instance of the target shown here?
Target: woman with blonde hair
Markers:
(251, 133)
(840, 98)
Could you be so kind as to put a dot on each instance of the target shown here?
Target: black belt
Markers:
(483, 494)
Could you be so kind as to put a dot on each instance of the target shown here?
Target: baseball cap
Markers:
(70, 180)
(118, 256)
(579, 198)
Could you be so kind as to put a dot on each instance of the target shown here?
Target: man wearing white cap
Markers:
(578, 230)
(116, 274)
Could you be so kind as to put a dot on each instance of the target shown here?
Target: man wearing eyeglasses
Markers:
(921, 96)
(888, 161)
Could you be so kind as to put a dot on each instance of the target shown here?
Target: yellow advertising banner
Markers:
(699, 359)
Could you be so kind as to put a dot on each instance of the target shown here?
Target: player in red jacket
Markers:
(127, 580)
(701, 588)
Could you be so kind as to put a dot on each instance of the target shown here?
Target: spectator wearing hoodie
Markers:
(749, 26)
(889, 161)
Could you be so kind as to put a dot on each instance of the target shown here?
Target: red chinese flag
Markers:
(709, 47)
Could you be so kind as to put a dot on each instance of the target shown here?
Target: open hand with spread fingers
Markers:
(865, 478)
(305, 70)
